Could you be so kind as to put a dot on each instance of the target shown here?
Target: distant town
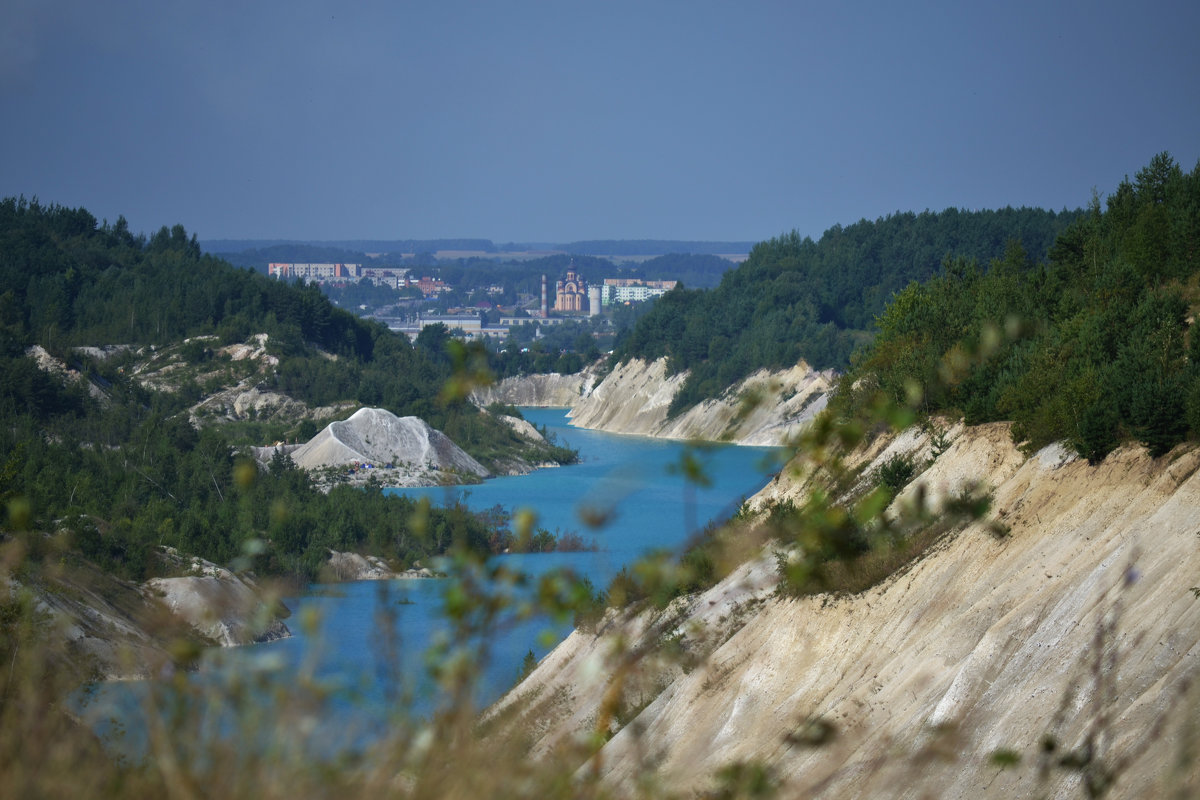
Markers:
(574, 297)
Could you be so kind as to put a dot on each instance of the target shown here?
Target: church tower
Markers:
(571, 293)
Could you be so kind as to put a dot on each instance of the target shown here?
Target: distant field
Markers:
(501, 255)
(529, 255)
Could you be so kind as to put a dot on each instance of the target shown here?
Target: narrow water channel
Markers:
(372, 638)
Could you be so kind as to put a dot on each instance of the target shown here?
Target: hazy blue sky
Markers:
(563, 120)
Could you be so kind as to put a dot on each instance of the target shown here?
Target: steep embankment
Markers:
(101, 626)
(548, 390)
(223, 607)
(109, 628)
(764, 409)
(1078, 625)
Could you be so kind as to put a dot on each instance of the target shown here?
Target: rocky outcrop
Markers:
(549, 390)
(356, 567)
(405, 449)
(1078, 627)
(522, 428)
(49, 364)
(764, 409)
(247, 402)
(224, 607)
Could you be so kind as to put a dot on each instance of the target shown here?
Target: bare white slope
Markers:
(227, 608)
(549, 389)
(1079, 623)
(379, 437)
(765, 408)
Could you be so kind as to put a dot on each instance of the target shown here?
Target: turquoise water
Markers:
(635, 485)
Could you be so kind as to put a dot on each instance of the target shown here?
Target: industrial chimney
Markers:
(545, 310)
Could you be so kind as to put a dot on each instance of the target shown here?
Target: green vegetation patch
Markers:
(795, 298)
(1092, 346)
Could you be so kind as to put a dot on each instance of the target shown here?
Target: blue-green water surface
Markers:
(372, 637)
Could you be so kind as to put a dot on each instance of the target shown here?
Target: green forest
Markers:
(795, 298)
(121, 470)
(1088, 345)
(1073, 325)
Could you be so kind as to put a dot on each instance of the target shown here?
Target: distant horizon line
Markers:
(492, 245)
(497, 243)
(466, 246)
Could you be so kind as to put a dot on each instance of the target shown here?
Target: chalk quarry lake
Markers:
(372, 636)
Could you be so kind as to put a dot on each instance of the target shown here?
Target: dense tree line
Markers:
(127, 472)
(73, 282)
(66, 281)
(1089, 345)
(169, 485)
(795, 298)
(132, 475)
(565, 348)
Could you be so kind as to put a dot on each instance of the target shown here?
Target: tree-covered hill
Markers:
(69, 281)
(795, 298)
(1090, 345)
(66, 282)
(114, 461)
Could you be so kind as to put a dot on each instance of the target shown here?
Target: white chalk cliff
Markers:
(224, 607)
(765, 408)
(1079, 625)
(550, 389)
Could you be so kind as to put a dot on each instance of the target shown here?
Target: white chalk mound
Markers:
(376, 436)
